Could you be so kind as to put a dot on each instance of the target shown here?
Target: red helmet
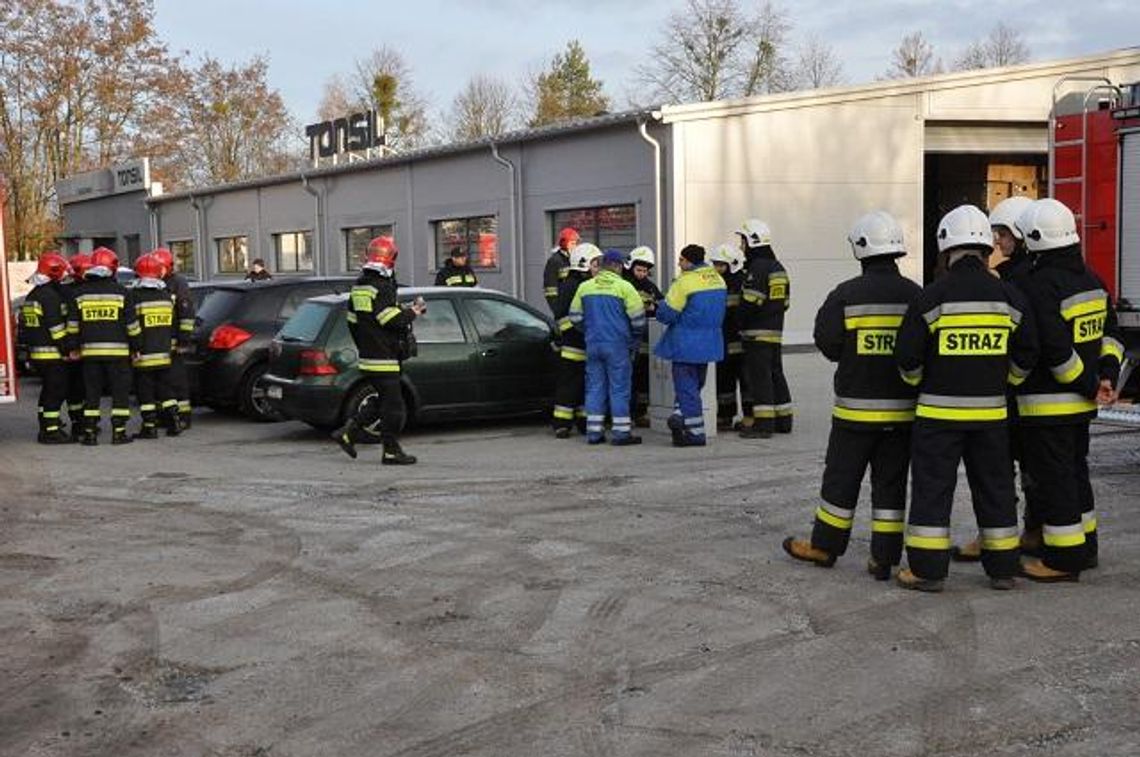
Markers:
(166, 258)
(79, 264)
(149, 267)
(53, 265)
(382, 252)
(568, 237)
(105, 257)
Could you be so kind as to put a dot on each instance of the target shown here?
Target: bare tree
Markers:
(913, 57)
(766, 67)
(382, 80)
(485, 107)
(713, 49)
(1003, 47)
(818, 65)
(697, 56)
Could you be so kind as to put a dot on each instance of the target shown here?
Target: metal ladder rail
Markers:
(1100, 84)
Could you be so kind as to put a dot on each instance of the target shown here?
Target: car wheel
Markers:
(252, 398)
(357, 397)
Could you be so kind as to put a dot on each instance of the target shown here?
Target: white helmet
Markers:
(876, 234)
(1006, 213)
(1048, 225)
(640, 254)
(965, 227)
(729, 254)
(581, 256)
(756, 233)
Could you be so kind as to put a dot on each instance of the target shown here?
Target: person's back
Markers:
(611, 311)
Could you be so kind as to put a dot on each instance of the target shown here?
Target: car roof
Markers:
(337, 298)
(276, 283)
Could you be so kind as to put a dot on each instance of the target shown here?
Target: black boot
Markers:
(393, 455)
(172, 422)
(676, 426)
(119, 435)
(346, 435)
(148, 431)
(91, 433)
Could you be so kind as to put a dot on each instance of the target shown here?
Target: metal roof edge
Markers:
(425, 153)
(894, 87)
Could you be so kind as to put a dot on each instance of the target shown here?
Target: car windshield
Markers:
(218, 305)
(306, 323)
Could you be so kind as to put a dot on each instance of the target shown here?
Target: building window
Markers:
(233, 254)
(183, 252)
(356, 242)
(609, 227)
(134, 249)
(294, 251)
(478, 235)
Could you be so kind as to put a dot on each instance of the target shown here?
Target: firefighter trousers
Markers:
(155, 396)
(386, 408)
(850, 451)
(729, 375)
(180, 385)
(936, 449)
(111, 375)
(569, 392)
(76, 394)
(1057, 458)
(764, 373)
(53, 393)
(639, 383)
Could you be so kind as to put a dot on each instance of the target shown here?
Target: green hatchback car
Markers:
(481, 354)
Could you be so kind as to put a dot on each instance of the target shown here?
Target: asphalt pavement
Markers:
(246, 590)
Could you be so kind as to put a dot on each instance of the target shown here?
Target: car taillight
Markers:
(316, 363)
(227, 337)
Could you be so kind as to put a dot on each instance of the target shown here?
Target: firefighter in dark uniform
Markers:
(456, 272)
(155, 309)
(43, 323)
(765, 297)
(108, 333)
(874, 408)
(967, 336)
(380, 328)
(184, 312)
(1080, 361)
(570, 383)
(76, 394)
(729, 263)
(557, 267)
(638, 268)
(1015, 266)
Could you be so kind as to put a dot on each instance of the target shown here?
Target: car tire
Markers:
(356, 398)
(252, 400)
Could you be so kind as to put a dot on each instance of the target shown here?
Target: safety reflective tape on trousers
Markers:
(927, 537)
(837, 517)
(1063, 536)
(1061, 403)
(999, 539)
(887, 521)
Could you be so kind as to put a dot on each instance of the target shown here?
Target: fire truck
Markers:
(1094, 168)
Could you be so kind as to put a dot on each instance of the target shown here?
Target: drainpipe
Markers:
(153, 213)
(644, 131)
(199, 250)
(517, 274)
(319, 263)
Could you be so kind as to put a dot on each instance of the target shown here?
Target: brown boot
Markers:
(1031, 543)
(908, 580)
(801, 549)
(1036, 570)
(971, 551)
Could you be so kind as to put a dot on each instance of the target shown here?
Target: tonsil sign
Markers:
(351, 135)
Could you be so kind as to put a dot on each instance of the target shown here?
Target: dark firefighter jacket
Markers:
(43, 323)
(765, 295)
(154, 306)
(379, 326)
(104, 320)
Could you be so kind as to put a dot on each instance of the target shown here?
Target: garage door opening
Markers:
(984, 180)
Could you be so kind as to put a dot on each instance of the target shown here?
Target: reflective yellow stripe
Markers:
(388, 314)
(550, 292)
(1067, 538)
(1084, 308)
(1110, 347)
(961, 413)
(373, 365)
(1068, 371)
(563, 413)
(111, 352)
(887, 526)
(972, 320)
(1040, 405)
(927, 542)
(574, 353)
(833, 520)
(872, 322)
(1088, 522)
(873, 416)
(1001, 543)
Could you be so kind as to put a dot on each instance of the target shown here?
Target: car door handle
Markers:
(489, 353)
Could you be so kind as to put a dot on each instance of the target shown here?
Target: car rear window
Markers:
(218, 305)
(306, 323)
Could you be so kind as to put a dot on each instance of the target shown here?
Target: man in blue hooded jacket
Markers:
(693, 311)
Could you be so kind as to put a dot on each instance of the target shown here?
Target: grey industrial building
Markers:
(808, 162)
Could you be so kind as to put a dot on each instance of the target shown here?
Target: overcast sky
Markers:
(447, 42)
